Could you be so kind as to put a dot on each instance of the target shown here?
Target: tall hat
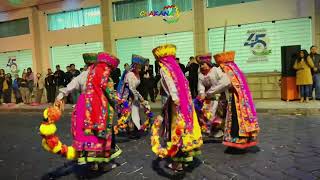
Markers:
(89, 58)
(205, 58)
(136, 59)
(224, 57)
(164, 50)
(109, 59)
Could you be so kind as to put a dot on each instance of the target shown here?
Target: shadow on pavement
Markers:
(162, 170)
(80, 172)
(236, 151)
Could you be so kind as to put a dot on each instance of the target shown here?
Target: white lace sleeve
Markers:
(171, 88)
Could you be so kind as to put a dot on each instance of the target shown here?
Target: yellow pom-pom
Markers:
(45, 145)
(47, 129)
(71, 153)
(57, 148)
(45, 113)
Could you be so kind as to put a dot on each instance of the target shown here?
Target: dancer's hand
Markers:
(202, 96)
(59, 104)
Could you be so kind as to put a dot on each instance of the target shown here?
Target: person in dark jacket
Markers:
(115, 76)
(24, 89)
(147, 83)
(2, 77)
(7, 88)
(316, 74)
(156, 78)
(16, 90)
(193, 68)
(182, 67)
(50, 86)
(59, 77)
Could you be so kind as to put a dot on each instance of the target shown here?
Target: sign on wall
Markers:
(170, 14)
(16, 61)
(258, 45)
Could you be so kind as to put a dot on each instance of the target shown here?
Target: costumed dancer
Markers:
(92, 118)
(127, 90)
(212, 84)
(179, 125)
(241, 125)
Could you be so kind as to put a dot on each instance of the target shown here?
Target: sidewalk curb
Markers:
(291, 111)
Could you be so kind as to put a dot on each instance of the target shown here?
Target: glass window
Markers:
(143, 46)
(14, 28)
(72, 54)
(217, 3)
(74, 19)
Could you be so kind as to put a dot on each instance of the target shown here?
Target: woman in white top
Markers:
(127, 89)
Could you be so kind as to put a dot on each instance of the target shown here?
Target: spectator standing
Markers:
(39, 85)
(30, 78)
(50, 86)
(304, 66)
(316, 76)
(68, 77)
(115, 76)
(24, 89)
(59, 79)
(192, 68)
(147, 81)
(16, 90)
(7, 88)
(2, 77)
(157, 78)
(182, 66)
(74, 72)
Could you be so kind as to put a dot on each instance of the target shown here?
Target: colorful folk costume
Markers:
(92, 119)
(212, 85)
(179, 125)
(241, 125)
(127, 90)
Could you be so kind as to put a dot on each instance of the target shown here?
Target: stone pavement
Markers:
(272, 106)
(289, 149)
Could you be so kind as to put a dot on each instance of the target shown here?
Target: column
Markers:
(199, 27)
(317, 22)
(106, 15)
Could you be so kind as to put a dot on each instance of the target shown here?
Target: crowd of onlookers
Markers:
(30, 88)
(307, 68)
(150, 77)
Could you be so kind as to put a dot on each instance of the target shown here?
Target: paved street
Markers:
(289, 149)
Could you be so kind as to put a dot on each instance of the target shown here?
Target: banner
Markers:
(258, 45)
(16, 61)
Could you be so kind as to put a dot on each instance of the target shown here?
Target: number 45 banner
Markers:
(12, 64)
(258, 45)
(258, 42)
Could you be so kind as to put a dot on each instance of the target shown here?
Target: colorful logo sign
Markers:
(258, 43)
(170, 14)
